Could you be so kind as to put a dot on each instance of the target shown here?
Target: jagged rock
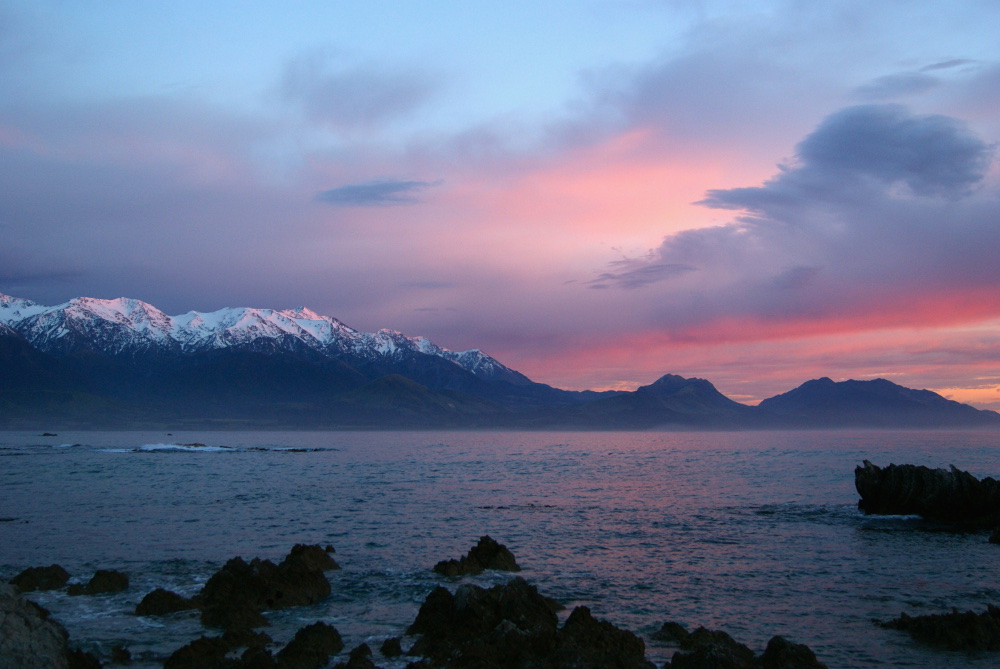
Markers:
(512, 626)
(503, 626)
(52, 577)
(121, 655)
(234, 596)
(160, 602)
(585, 642)
(942, 495)
(80, 659)
(783, 654)
(712, 649)
(311, 648)
(391, 648)
(487, 554)
(671, 632)
(211, 652)
(28, 639)
(104, 581)
(953, 631)
(359, 658)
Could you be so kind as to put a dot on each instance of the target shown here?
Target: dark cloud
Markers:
(376, 193)
(934, 155)
(878, 213)
(353, 98)
(947, 64)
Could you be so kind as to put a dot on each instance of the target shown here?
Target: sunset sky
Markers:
(595, 192)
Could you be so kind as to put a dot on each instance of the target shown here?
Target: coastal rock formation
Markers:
(311, 648)
(234, 596)
(28, 638)
(512, 625)
(104, 581)
(160, 602)
(942, 495)
(217, 652)
(487, 554)
(52, 577)
(714, 649)
(953, 631)
(359, 658)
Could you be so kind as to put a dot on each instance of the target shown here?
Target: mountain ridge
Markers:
(126, 362)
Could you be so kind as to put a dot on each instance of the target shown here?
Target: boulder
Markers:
(28, 638)
(671, 632)
(234, 596)
(41, 578)
(216, 652)
(391, 647)
(103, 582)
(953, 631)
(311, 648)
(712, 649)
(359, 658)
(783, 654)
(942, 495)
(160, 602)
(487, 554)
(585, 642)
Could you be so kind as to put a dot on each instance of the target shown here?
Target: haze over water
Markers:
(754, 533)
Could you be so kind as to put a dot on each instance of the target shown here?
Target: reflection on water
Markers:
(754, 533)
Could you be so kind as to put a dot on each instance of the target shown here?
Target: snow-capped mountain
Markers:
(130, 327)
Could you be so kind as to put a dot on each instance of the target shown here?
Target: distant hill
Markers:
(124, 363)
(877, 403)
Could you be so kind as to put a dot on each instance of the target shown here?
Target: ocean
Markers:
(754, 533)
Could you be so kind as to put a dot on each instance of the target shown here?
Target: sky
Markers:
(595, 192)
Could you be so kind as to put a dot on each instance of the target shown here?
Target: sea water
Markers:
(754, 533)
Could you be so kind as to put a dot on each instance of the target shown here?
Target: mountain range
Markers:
(124, 363)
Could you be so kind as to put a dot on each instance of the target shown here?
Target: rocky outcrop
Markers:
(28, 638)
(953, 631)
(161, 602)
(714, 649)
(222, 652)
(512, 625)
(311, 648)
(234, 597)
(359, 658)
(52, 577)
(104, 581)
(487, 554)
(943, 495)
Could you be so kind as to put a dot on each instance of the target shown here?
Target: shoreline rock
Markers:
(949, 496)
(708, 649)
(958, 630)
(486, 554)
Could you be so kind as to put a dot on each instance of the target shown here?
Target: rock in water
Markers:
(311, 648)
(487, 554)
(103, 582)
(948, 496)
(953, 631)
(28, 640)
(783, 654)
(160, 602)
(41, 578)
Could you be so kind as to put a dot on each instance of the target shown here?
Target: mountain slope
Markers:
(877, 403)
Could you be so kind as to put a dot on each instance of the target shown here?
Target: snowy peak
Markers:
(130, 326)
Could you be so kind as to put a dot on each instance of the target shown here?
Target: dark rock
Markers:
(103, 582)
(311, 648)
(121, 655)
(504, 626)
(41, 578)
(995, 536)
(953, 631)
(948, 496)
(585, 642)
(160, 602)
(28, 639)
(234, 596)
(79, 659)
(783, 654)
(671, 632)
(487, 554)
(211, 652)
(359, 658)
(712, 649)
(391, 648)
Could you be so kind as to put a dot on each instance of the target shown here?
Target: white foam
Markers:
(187, 448)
